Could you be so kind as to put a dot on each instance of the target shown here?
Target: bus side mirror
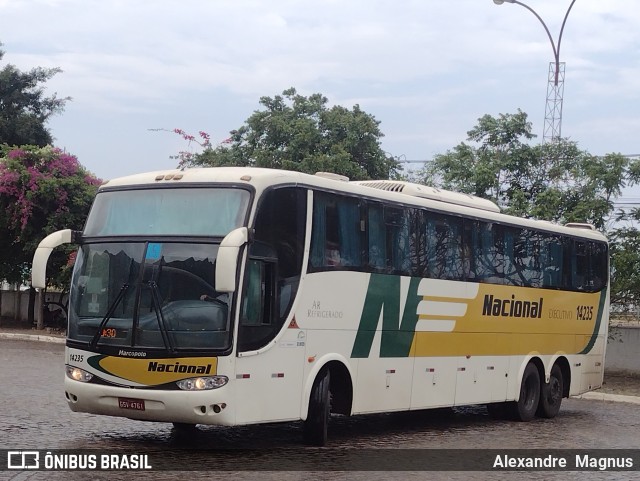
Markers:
(227, 261)
(46, 246)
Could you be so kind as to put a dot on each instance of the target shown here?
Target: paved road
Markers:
(34, 415)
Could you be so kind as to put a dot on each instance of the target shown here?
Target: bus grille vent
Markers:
(386, 185)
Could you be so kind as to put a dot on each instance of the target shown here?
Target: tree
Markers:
(24, 108)
(42, 189)
(554, 181)
(624, 249)
(302, 133)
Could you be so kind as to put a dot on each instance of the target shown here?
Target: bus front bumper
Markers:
(191, 407)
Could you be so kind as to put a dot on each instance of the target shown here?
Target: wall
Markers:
(623, 349)
(14, 305)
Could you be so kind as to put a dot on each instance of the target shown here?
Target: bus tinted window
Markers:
(377, 237)
(444, 247)
(397, 232)
(485, 252)
(337, 235)
(366, 235)
(552, 260)
(598, 266)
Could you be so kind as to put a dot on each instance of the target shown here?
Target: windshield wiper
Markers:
(107, 316)
(161, 321)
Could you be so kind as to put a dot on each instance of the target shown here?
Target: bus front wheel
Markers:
(524, 409)
(317, 422)
(551, 394)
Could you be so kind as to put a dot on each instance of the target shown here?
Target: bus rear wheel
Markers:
(551, 394)
(317, 422)
(524, 409)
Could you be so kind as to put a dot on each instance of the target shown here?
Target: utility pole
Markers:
(555, 85)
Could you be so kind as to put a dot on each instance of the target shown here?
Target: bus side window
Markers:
(469, 244)
(579, 265)
(509, 257)
(444, 249)
(552, 262)
(598, 266)
(336, 233)
(257, 326)
(397, 240)
(253, 303)
(485, 254)
(376, 237)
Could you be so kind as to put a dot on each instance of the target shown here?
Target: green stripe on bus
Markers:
(596, 328)
(383, 295)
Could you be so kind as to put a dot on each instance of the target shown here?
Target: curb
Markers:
(601, 396)
(32, 337)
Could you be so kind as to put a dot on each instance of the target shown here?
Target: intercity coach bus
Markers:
(232, 296)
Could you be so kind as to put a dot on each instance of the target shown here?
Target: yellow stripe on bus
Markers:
(152, 372)
(507, 320)
(490, 343)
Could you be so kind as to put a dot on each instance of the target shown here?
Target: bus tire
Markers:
(551, 394)
(524, 409)
(317, 422)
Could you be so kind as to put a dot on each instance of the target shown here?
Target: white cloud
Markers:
(426, 70)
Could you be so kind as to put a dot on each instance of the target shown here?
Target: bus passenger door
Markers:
(270, 362)
(268, 372)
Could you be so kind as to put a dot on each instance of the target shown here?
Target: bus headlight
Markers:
(202, 383)
(78, 374)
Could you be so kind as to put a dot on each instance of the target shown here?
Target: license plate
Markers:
(135, 404)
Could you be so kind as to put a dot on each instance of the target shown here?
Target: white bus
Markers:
(234, 296)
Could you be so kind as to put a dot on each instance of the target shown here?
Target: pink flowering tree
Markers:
(42, 189)
(185, 157)
(200, 142)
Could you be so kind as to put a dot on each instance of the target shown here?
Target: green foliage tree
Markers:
(554, 181)
(303, 134)
(42, 189)
(624, 246)
(24, 108)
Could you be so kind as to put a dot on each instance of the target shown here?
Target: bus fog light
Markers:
(78, 374)
(202, 383)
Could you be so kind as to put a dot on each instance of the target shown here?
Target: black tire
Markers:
(524, 409)
(317, 422)
(551, 394)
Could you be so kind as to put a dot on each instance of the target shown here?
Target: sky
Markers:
(427, 70)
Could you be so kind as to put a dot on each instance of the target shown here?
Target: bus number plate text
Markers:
(135, 404)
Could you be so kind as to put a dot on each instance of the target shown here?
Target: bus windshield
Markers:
(193, 211)
(149, 295)
(155, 289)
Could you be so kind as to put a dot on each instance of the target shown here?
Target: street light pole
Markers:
(555, 87)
